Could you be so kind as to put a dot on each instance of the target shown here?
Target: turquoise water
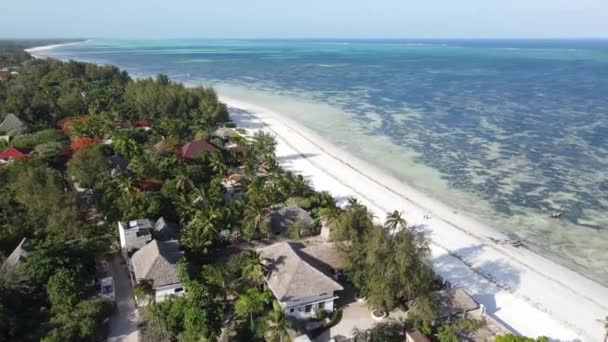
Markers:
(506, 131)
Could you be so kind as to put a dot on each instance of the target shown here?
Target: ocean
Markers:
(506, 131)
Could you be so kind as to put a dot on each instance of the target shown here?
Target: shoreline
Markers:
(523, 289)
(32, 50)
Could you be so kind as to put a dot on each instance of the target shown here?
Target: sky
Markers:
(304, 19)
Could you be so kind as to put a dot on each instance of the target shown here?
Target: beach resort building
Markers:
(157, 262)
(13, 153)
(301, 288)
(196, 148)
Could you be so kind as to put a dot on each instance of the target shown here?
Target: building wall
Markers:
(163, 292)
(297, 308)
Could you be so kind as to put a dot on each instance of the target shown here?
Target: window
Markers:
(321, 305)
(178, 290)
(308, 308)
(291, 310)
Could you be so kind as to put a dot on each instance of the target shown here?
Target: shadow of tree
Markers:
(482, 279)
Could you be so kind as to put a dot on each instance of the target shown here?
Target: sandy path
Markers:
(528, 293)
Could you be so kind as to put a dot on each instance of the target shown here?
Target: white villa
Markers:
(152, 259)
(301, 288)
(157, 262)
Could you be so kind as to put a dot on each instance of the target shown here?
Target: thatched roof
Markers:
(291, 277)
(165, 230)
(451, 302)
(325, 253)
(157, 261)
(10, 122)
(280, 219)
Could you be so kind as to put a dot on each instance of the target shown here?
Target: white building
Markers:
(134, 235)
(301, 288)
(157, 263)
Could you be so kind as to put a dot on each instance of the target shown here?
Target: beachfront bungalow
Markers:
(157, 262)
(196, 148)
(281, 219)
(13, 153)
(300, 288)
(134, 235)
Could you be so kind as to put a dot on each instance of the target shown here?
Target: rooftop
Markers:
(157, 261)
(325, 253)
(280, 219)
(18, 255)
(291, 277)
(195, 148)
(165, 230)
(10, 122)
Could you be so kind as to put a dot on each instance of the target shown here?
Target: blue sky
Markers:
(304, 18)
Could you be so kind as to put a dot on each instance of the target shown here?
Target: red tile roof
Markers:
(14, 153)
(195, 148)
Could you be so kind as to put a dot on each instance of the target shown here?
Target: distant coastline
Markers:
(33, 51)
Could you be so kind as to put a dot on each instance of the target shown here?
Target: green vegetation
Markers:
(390, 267)
(108, 148)
(515, 338)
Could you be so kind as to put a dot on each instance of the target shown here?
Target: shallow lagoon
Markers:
(506, 131)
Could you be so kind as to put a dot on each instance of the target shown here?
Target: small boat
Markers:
(556, 215)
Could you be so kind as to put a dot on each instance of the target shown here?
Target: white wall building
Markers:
(157, 262)
(301, 288)
(134, 235)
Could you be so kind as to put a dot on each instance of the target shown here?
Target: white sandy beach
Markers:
(527, 292)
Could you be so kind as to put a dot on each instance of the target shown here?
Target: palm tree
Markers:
(395, 220)
(217, 164)
(278, 324)
(217, 277)
(353, 203)
(143, 292)
(256, 218)
(251, 302)
(255, 268)
(330, 214)
(199, 235)
(183, 182)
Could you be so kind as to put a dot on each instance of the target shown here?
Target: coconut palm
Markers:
(330, 214)
(278, 324)
(217, 164)
(250, 303)
(143, 292)
(183, 182)
(254, 268)
(218, 277)
(395, 221)
(199, 235)
(256, 219)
